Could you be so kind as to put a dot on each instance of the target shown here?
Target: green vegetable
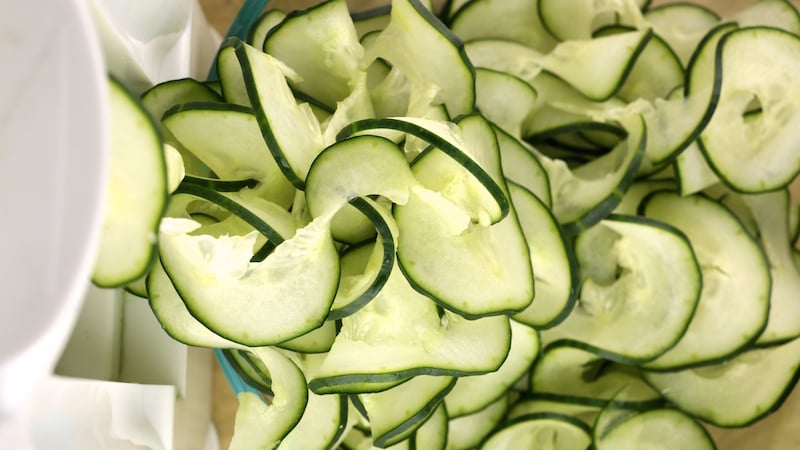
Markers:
(401, 226)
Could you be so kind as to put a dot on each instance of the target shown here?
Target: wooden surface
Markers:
(779, 431)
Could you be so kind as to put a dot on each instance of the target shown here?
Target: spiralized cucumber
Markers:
(518, 222)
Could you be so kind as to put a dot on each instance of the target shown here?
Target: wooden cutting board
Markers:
(779, 431)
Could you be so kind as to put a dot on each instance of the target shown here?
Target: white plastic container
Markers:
(52, 171)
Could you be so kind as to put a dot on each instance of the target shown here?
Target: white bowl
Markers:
(53, 138)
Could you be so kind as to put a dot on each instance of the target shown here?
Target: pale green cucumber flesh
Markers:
(136, 192)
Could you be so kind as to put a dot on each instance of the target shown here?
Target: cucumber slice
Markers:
(478, 19)
(736, 204)
(396, 413)
(473, 393)
(320, 44)
(694, 173)
(583, 196)
(541, 430)
(563, 109)
(266, 22)
(532, 404)
(502, 55)
(324, 418)
(262, 425)
(757, 154)
(430, 56)
(656, 72)
(321, 425)
(638, 191)
(227, 139)
(677, 121)
(350, 226)
(736, 392)
(136, 192)
(657, 428)
(247, 212)
(361, 281)
(520, 166)
(163, 96)
(433, 434)
(575, 375)
(682, 25)
(556, 274)
(175, 319)
(608, 58)
(229, 73)
(361, 165)
(388, 89)
(430, 435)
(290, 130)
(466, 432)
(484, 198)
(504, 99)
(578, 19)
(771, 13)
(771, 214)
(734, 301)
(358, 105)
(494, 273)
(318, 340)
(626, 311)
(221, 287)
(400, 334)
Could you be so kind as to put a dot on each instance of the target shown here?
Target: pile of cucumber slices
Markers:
(497, 224)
